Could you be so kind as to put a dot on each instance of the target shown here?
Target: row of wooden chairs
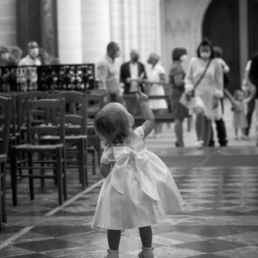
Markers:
(56, 126)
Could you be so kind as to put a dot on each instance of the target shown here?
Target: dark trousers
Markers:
(249, 115)
(221, 133)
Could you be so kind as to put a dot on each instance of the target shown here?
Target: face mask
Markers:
(34, 52)
(183, 58)
(205, 55)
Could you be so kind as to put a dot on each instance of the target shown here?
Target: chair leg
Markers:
(4, 216)
(42, 171)
(64, 174)
(13, 162)
(85, 142)
(59, 171)
(1, 199)
(30, 170)
(82, 162)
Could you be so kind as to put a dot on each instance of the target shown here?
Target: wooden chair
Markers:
(5, 121)
(49, 108)
(75, 132)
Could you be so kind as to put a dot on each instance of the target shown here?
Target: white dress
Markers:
(139, 190)
(156, 89)
(211, 85)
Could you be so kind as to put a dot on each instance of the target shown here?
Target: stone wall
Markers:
(181, 26)
(8, 23)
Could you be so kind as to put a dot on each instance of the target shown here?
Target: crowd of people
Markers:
(200, 90)
(12, 56)
(206, 78)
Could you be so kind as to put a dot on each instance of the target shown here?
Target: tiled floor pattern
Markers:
(220, 218)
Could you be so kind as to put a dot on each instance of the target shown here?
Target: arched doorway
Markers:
(221, 26)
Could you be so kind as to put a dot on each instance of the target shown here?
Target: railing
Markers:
(47, 78)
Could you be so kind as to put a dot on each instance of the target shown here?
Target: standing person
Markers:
(177, 84)
(156, 80)
(132, 74)
(139, 190)
(206, 76)
(32, 57)
(253, 76)
(107, 72)
(5, 58)
(249, 89)
(239, 118)
(219, 121)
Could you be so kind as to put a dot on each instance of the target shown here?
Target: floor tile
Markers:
(211, 245)
(245, 252)
(52, 244)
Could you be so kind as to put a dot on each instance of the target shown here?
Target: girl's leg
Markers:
(113, 239)
(207, 131)
(179, 132)
(146, 236)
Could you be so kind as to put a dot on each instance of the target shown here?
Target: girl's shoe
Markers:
(146, 253)
(112, 254)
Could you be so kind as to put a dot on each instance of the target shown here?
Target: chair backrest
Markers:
(14, 117)
(5, 121)
(22, 103)
(50, 126)
(75, 100)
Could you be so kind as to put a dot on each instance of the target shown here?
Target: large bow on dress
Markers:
(144, 177)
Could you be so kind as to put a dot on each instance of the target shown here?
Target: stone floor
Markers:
(220, 218)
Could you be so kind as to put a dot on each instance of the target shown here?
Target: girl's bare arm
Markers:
(105, 169)
(147, 113)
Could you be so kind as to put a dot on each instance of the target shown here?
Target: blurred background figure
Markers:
(205, 71)
(16, 53)
(177, 86)
(132, 74)
(249, 89)
(253, 76)
(5, 58)
(43, 56)
(32, 57)
(107, 72)
(156, 80)
(219, 121)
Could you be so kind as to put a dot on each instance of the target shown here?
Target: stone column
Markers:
(70, 31)
(243, 35)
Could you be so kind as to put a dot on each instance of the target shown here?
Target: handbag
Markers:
(187, 97)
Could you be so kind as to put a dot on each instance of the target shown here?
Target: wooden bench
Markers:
(165, 117)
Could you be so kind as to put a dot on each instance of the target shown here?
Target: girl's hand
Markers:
(141, 97)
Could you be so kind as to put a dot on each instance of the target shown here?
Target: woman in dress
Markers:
(176, 81)
(208, 91)
(156, 80)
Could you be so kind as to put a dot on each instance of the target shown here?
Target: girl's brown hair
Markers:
(112, 125)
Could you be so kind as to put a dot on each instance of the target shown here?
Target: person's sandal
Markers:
(112, 254)
(146, 253)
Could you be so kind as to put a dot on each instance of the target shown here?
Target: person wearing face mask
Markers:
(107, 73)
(177, 85)
(156, 80)
(132, 74)
(32, 57)
(205, 77)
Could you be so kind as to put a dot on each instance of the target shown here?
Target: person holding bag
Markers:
(204, 89)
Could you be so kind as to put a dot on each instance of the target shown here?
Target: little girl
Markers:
(139, 190)
(239, 117)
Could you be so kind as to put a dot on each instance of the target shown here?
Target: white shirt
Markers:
(107, 74)
(27, 60)
(134, 75)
